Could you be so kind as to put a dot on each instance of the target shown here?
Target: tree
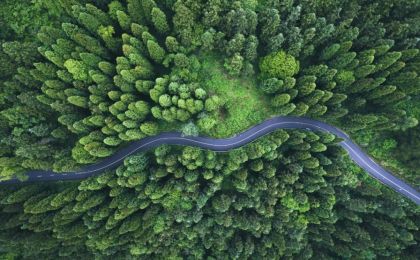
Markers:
(344, 78)
(123, 19)
(83, 39)
(184, 21)
(181, 60)
(149, 128)
(159, 20)
(280, 100)
(78, 101)
(270, 23)
(78, 69)
(330, 51)
(272, 85)
(189, 129)
(97, 149)
(206, 123)
(165, 100)
(207, 40)
(235, 64)
(200, 93)
(221, 203)
(112, 141)
(286, 109)
(279, 65)
(212, 103)
(156, 52)
(275, 43)
(171, 44)
(236, 44)
(148, 6)
(251, 47)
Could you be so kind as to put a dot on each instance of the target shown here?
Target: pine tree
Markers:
(156, 52)
(159, 21)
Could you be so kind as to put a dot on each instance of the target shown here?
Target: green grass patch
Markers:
(245, 104)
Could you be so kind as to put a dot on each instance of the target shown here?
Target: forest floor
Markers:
(245, 104)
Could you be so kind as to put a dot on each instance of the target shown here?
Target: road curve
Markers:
(223, 145)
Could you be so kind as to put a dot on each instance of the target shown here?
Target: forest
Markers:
(80, 79)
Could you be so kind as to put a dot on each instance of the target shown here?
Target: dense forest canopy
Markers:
(80, 79)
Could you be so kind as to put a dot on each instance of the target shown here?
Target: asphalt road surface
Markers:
(223, 145)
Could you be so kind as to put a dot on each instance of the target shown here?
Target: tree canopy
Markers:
(80, 79)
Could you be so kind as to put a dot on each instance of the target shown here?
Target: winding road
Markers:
(223, 145)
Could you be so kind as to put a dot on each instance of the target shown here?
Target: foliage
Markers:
(80, 79)
(266, 199)
(279, 65)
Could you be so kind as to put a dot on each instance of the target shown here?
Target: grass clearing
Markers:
(245, 104)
